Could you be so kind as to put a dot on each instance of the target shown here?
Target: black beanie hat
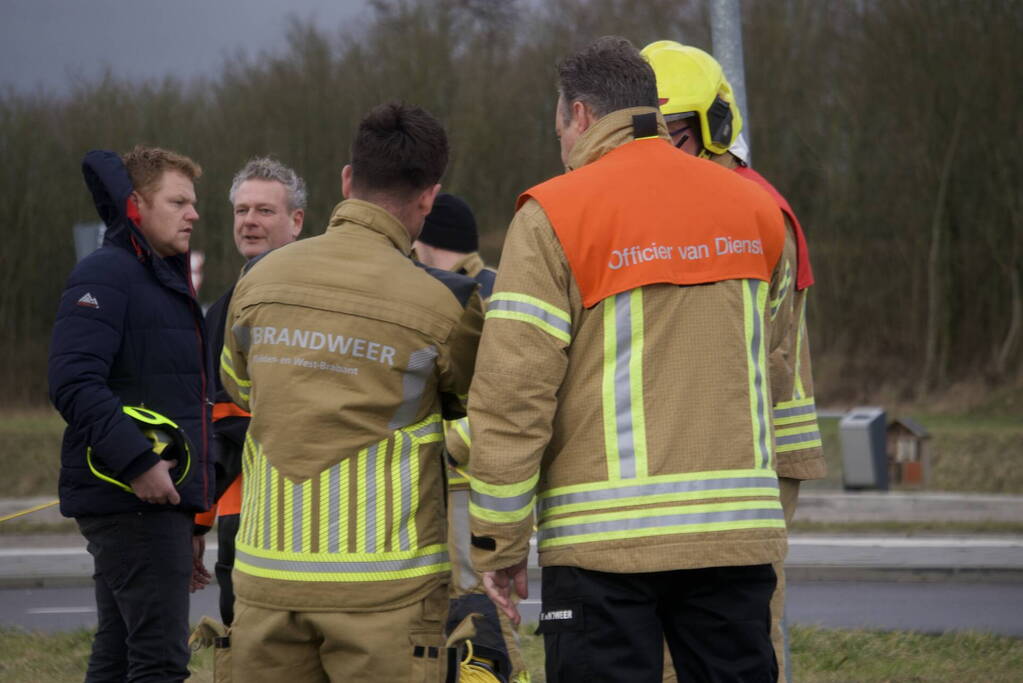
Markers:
(450, 225)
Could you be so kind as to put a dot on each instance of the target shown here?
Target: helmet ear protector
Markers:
(167, 440)
(719, 124)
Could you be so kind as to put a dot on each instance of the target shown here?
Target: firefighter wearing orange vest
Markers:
(623, 393)
(703, 119)
(268, 200)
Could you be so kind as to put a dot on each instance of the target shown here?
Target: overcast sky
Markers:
(51, 42)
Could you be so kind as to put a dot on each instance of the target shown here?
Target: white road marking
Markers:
(61, 610)
(895, 542)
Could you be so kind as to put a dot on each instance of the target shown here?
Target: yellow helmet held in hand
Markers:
(691, 83)
(166, 438)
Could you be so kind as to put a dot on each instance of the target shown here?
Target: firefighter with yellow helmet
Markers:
(703, 119)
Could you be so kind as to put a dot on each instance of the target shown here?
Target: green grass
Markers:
(62, 657)
(30, 447)
(825, 656)
(974, 450)
(819, 656)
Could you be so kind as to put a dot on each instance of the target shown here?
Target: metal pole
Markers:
(726, 43)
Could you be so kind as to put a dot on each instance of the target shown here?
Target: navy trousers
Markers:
(143, 564)
(227, 529)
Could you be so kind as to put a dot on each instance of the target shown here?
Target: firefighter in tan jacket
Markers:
(624, 390)
(703, 119)
(348, 355)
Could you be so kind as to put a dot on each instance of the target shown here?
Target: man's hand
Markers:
(499, 586)
(155, 484)
(200, 576)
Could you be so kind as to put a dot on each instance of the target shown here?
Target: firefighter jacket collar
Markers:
(374, 218)
(470, 265)
(609, 132)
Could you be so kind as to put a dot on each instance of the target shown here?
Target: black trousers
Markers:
(227, 529)
(143, 564)
(611, 627)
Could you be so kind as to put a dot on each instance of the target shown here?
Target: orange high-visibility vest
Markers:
(230, 502)
(645, 213)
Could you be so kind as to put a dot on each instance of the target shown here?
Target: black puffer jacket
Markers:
(129, 332)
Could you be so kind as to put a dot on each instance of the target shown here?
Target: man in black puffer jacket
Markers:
(129, 332)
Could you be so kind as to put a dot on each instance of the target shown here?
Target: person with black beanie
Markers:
(450, 241)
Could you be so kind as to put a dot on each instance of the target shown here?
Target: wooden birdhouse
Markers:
(909, 461)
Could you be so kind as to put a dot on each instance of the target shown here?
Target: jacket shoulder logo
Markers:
(88, 300)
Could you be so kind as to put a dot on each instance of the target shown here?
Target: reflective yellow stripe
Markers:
(461, 428)
(797, 438)
(360, 510)
(502, 504)
(228, 366)
(783, 290)
(681, 519)
(755, 483)
(799, 390)
(622, 386)
(754, 299)
(281, 546)
(794, 412)
(325, 509)
(529, 309)
(315, 567)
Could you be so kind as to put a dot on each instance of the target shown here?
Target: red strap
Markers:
(804, 272)
(131, 209)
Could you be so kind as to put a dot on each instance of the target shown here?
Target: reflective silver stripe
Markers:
(500, 504)
(656, 489)
(432, 428)
(296, 517)
(334, 503)
(461, 535)
(242, 337)
(623, 385)
(406, 491)
(340, 567)
(758, 381)
(420, 367)
(371, 499)
(798, 438)
(780, 413)
(531, 310)
(640, 523)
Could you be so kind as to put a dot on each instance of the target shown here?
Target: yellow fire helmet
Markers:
(691, 83)
(167, 439)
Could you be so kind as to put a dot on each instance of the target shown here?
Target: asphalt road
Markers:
(919, 606)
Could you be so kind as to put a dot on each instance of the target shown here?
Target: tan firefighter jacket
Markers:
(457, 436)
(797, 434)
(347, 354)
(639, 427)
